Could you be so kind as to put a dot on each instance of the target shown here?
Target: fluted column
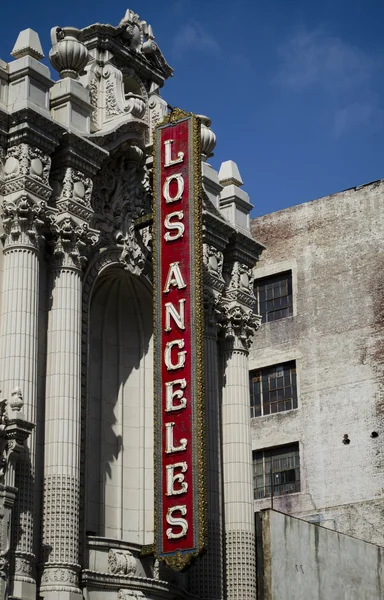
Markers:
(60, 551)
(237, 461)
(207, 574)
(18, 367)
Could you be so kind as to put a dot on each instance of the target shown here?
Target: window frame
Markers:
(286, 275)
(268, 455)
(264, 380)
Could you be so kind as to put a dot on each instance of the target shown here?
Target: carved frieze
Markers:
(239, 283)
(129, 594)
(71, 192)
(26, 168)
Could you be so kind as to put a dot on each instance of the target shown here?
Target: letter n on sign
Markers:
(180, 490)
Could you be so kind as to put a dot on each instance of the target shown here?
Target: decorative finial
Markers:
(208, 138)
(16, 402)
(28, 44)
(229, 174)
(68, 55)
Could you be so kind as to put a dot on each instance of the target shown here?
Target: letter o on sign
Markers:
(180, 188)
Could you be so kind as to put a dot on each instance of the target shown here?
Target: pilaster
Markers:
(25, 189)
(238, 325)
(237, 458)
(74, 165)
(207, 575)
(61, 495)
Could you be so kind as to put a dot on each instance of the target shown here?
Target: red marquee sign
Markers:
(180, 511)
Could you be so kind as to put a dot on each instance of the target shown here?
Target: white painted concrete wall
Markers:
(305, 561)
(334, 248)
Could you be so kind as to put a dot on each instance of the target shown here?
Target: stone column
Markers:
(237, 458)
(62, 416)
(206, 580)
(18, 366)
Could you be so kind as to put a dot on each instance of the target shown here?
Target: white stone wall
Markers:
(334, 248)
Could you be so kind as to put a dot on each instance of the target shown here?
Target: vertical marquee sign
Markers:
(180, 505)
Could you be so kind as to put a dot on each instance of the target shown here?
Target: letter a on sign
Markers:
(180, 490)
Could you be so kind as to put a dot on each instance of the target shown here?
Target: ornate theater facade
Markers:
(126, 466)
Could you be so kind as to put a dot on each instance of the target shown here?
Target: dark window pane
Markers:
(285, 471)
(274, 296)
(273, 389)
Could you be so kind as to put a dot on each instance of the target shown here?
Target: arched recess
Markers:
(119, 412)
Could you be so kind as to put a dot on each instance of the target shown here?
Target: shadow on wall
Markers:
(119, 399)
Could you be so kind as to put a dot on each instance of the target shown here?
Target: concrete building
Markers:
(317, 362)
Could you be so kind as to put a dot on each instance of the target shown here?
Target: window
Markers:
(282, 466)
(273, 389)
(274, 297)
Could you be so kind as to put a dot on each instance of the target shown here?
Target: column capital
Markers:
(23, 220)
(71, 242)
(238, 325)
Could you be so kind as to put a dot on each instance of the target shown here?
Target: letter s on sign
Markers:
(171, 225)
(177, 522)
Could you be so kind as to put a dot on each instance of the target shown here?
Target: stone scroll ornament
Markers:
(180, 489)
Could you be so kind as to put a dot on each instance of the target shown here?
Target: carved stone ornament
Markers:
(67, 55)
(121, 562)
(134, 253)
(213, 268)
(71, 192)
(117, 102)
(14, 430)
(22, 221)
(72, 242)
(59, 579)
(122, 193)
(138, 35)
(213, 313)
(156, 569)
(26, 168)
(213, 260)
(239, 279)
(129, 594)
(26, 160)
(238, 326)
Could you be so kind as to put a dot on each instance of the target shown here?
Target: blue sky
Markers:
(294, 88)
